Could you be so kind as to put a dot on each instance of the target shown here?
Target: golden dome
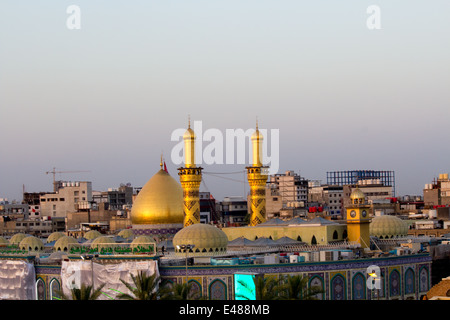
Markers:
(160, 201)
(386, 227)
(204, 237)
(357, 195)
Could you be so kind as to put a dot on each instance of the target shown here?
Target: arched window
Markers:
(338, 288)
(40, 289)
(55, 287)
(299, 238)
(317, 282)
(335, 235)
(359, 287)
(313, 240)
(217, 290)
(410, 287)
(344, 234)
(394, 283)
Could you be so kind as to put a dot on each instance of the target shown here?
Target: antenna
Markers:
(54, 172)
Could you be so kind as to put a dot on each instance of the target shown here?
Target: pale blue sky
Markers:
(107, 97)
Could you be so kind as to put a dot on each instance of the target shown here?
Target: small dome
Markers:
(3, 242)
(386, 227)
(257, 135)
(17, 238)
(91, 235)
(160, 201)
(143, 241)
(357, 196)
(55, 236)
(103, 242)
(189, 134)
(65, 243)
(205, 238)
(31, 244)
(126, 233)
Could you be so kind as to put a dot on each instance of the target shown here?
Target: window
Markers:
(61, 199)
(76, 193)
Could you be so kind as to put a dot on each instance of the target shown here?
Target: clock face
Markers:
(353, 213)
(364, 213)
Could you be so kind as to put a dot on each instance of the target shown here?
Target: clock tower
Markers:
(358, 219)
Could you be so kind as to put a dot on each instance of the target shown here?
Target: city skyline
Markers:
(106, 98)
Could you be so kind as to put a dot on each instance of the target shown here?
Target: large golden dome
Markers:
(160, 201)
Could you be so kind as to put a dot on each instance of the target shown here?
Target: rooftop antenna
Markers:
(54, 172)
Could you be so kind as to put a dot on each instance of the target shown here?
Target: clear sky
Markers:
(106, 98)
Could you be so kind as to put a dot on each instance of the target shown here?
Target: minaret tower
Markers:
(257, 178)
(190, 178)
(358, 219)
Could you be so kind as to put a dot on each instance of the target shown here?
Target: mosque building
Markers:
(335, 257)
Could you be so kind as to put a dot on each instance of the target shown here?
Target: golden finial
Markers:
(256, 123)
(189, 121)
(161, 162)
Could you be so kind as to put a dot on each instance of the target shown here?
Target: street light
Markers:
(186, 247)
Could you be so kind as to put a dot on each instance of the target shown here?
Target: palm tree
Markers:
(145, 287)
(296, 288)
(263, 288)
(266, 288)
(85, 292)
(178, 291)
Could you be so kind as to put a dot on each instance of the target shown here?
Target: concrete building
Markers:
(113, 220)
(330, 198)
(437, 193)
(116, 198)
(208, 208)
(233, 211)
(287, 191)
(65, 199)
(373, 189)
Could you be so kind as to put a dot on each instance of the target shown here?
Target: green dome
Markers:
(31, 244)
(126, 233)
(55, 236)
(15, 239)
(386, 227)
(90, 235)
(103, 242)
(205, 238)
(65, 243)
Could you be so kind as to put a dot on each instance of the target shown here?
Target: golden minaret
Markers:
(257, 178)
(190, 178)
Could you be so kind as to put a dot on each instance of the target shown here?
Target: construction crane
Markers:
(54, 172)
